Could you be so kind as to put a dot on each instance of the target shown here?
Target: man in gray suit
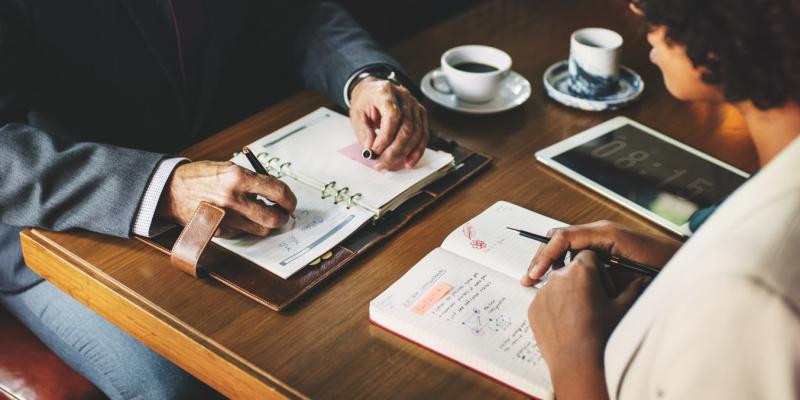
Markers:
(95, 95)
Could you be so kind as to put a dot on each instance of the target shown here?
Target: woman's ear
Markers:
(636, 10)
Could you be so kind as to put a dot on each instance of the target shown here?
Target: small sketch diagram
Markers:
(478, 323)
(471, 235)
(530, 353)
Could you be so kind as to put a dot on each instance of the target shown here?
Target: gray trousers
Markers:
(116, 363)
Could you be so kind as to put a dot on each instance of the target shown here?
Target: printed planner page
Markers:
(485, 239)
(318, 226)
(469, 313)
(322, 145)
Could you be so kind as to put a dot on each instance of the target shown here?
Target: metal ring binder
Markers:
(351, 199)
(279, 169)
(340, 193)
(331, 185)
(286, 165)
(273, 160)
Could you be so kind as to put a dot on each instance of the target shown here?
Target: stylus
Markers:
(611, 260)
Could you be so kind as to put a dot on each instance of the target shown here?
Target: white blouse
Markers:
(722, 320)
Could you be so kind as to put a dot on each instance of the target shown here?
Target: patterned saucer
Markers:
(557, 81)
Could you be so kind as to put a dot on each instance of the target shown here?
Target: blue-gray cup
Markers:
(594, 59)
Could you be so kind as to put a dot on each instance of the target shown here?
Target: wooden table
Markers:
(324, 347)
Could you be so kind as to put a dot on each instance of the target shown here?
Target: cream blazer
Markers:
(722, 320)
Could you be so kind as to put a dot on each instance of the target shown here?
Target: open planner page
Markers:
(485, 239)
(319, 225)
(322, 145)
(469, 313)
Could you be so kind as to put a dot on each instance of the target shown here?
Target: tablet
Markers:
(654, 175)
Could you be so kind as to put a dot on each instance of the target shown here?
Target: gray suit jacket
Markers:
(91, 99)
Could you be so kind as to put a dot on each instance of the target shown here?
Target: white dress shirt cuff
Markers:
(144, 224)
(359, 75)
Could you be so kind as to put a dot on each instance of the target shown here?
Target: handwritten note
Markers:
(470, 313)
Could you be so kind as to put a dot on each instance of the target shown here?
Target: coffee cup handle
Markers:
(439, 81)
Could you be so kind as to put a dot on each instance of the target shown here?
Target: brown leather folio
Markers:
(191, 252)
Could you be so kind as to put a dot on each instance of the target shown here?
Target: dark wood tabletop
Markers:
(324, 346)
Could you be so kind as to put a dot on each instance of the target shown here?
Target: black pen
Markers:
(611, 260)
(254, 162)
(258, 167)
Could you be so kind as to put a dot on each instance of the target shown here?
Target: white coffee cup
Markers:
(474, 73)
(594, 59)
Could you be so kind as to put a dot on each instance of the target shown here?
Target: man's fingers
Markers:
(258, 212)
(226, 233)
(272, 189)
(235, 222)
(416, 154)
(365, 132)
(414, 140)
(241, 190)
(394, 156)
(391, 118)
(419, 141)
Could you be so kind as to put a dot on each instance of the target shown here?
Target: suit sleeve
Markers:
(330, 46)
(743, 346)
(49, 181)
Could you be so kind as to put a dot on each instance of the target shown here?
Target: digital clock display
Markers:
(652, 173)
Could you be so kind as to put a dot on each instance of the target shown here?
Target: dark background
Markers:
(390, 21)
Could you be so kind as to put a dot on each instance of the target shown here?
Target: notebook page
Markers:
(469, 313)
(322, 145)
(485, 239)
(318, 227)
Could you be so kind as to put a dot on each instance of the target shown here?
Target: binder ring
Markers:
(260, 157)
(339, 194)
(351, 199)
(329, 185)
(286, 165)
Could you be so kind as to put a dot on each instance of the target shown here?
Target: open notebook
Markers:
(464, 300)
(337, 190)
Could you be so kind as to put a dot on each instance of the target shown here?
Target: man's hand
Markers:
(572, 317)
(607, 237)
(389, 121)
(232, 187)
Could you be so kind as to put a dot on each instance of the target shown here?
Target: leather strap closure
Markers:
(195, 237)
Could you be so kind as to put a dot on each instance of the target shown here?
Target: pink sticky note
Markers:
(431, 298)
(353, 152)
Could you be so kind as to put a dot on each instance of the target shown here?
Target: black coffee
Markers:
(469, 66)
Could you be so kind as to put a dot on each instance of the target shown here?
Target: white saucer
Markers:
(516, 89)
(556, 83)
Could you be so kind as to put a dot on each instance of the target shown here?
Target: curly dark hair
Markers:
(749, 48)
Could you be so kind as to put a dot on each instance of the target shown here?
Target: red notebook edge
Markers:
(520, 391)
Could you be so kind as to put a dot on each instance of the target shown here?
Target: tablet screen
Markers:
(656, 175)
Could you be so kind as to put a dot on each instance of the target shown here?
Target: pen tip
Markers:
(513, 229)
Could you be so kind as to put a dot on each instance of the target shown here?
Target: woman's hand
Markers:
(572, 317)
(605, 237)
